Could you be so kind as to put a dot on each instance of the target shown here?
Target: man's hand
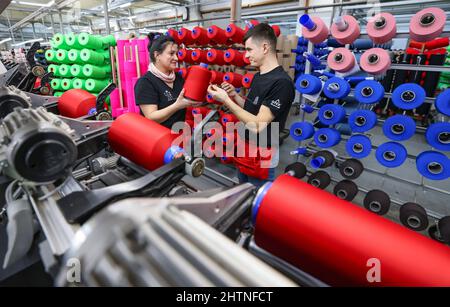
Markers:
(217, 93)
(230, 89)
(182, 102)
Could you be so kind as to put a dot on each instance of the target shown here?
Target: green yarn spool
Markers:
(79, 83)
(92, 57)
(58, 94)
(72, 41)
(66, 84)
(95, 72)
(74, 56)
(60, 41)
(109, 40)
(64, 70)
(56, 84)
(54, 69)
(76, 70)
(62, 56)
(93, 85)
(89, 41)
(107, 68)
(50, 55)
(443, 86)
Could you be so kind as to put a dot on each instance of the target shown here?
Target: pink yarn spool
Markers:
(427, 24)
(129, 73)
(345, 29)
(375, 61)
(132, 107)
(381, 28)
(341, 60)
(115, 102)
(319, 33)
(121, 55)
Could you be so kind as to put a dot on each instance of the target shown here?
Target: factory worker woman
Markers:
(159, 92)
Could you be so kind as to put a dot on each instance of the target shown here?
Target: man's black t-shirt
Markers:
(150, 89)
(274, 90)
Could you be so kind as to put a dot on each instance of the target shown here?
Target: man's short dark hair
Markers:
(262, 32)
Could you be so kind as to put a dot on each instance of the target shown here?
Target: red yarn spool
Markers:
(203, 111)
(200, 36)
(251, 24)
(199, 56)
(434, 44)
(290, 221)
(234, 79)
(174, 34)
(235, 33)
(185, 55)
(277, 30)
(234, 57)
(247, 80)
(216, 77)
(183, 72)
(217, 35)
(142, 140)
(197, 82)
(185, 36)
(228, 118)
(215, 56)
(76, 103)
(189, 115)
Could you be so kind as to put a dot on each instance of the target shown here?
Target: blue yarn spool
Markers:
(442, 102)
(331, 114)
(438, 136)
(299, 50)
(336, 88)
(369, 91)
(399, 127)
(307, 108)
(321, 45)
(433, 165)
(362, 120)
(362, 44)
(391, 154)
(307, 22)
(308, 84)
(299, 67)
(313, 60)
(302, 41)
(358, 146)
(408, 96)
(327, 137)
(300, 59)
(301, 131)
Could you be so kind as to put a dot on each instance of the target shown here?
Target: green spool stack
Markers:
(77, 57)
(58, 94)
(74, 56)
(89, 41)
(79, 83)
(64, 70)
(72, 41)
(56, 84)
(50, 55)
(92, 57)
(62, 56)
(76, 70)
(54, 69)
(93, 85)
(66, 84)
(444, 80)
(95, 72)
(59, 42)
(109, 41)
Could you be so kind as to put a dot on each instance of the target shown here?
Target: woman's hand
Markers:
(182, 102)
(217, 93)
(230, 89)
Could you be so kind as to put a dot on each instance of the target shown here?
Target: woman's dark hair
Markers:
(158, 42)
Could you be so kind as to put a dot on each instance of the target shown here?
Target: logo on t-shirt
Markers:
(168, 95)
(255, 101)
(275, 103)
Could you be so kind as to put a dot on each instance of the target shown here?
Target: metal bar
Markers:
(61, 22)
(52, 23)
(105, 5)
